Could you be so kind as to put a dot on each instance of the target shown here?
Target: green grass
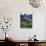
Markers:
(26, 24)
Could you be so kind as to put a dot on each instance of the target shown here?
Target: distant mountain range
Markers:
(26, 17)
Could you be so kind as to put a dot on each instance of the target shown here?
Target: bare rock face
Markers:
(35, 3)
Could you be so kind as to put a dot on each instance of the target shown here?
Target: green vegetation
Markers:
(26, 24)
